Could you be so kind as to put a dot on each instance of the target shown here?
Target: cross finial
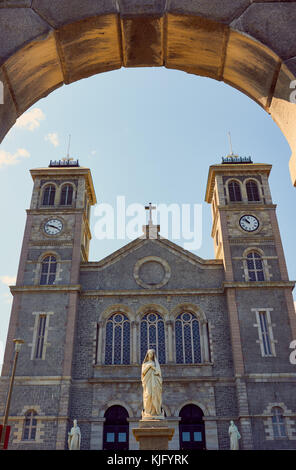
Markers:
(150, 208)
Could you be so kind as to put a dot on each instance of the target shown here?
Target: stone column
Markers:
(100, 344)
(170, 341)
(211, 433)
(205, 343)
(244, 419)
(174, 444)
(134, 325)
(62, 418)
(96, 437)
(133, 444)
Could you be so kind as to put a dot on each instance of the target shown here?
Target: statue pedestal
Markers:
(153, 434)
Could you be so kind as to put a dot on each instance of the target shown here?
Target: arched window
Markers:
(278, 422)
(116, 429)
(49, 195)
(192, 428)
(255, 267)
(48, 270)
(153, 336)
(30, 426)
(67, 195)
(39, 348)
(117, 346)
(188, 350)
(234, 191)
(252, 191)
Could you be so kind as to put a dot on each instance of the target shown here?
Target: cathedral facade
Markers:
(221, 328)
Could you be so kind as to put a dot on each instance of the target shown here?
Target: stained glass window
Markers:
(153, 336)
(49, 195)
(117, 350)
(234, 191)
(255, 267)
(188, 350)
(30, 426)
(278, 422)
(48, 270)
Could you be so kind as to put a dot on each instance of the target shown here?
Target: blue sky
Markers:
(148, 135)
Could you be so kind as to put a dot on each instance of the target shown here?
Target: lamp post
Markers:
(17, 345)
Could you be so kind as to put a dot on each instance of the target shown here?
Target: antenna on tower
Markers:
(67, 158)
(68, 152)
(230, 143)
(66, 161)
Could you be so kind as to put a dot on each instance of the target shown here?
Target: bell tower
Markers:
(45, 297)
(258, 291)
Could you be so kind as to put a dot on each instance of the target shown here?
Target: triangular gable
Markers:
(121, 253)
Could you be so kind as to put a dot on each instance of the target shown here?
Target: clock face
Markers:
(53, 227)
(249, 223)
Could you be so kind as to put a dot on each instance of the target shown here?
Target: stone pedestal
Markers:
(153, 434)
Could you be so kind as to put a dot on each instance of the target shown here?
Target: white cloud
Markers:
(7, 158)
(8, 280)
(53, 138)
(30, 120)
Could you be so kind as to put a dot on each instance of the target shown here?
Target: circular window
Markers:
(152, 272)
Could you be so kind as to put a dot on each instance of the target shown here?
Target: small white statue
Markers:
(74, 437)
(152, 387)
(234, 436)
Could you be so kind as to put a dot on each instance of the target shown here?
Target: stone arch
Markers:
(116, 403)
(253, 248)
(48, 43)
(193, 308)
(151, 307)
(203, 407)
(117, 308)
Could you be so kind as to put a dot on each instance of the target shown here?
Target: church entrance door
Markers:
(192, 428)
(116, 429)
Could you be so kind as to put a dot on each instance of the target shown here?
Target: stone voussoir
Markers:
(272, 24)
(18, 26)
(224, 11)
(60, 12)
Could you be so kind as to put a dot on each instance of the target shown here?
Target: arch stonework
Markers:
(248, 44)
